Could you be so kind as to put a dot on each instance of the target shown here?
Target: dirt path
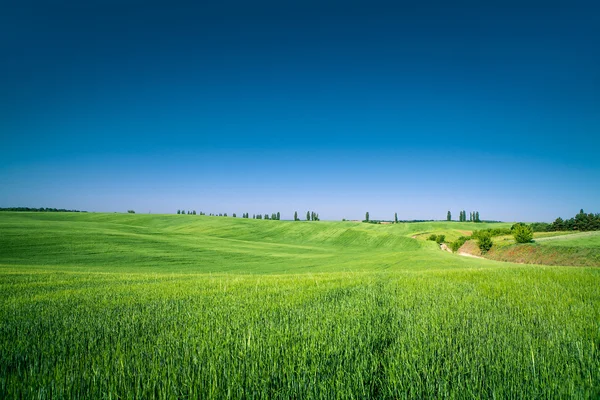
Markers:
(443, 246)
(462, 253)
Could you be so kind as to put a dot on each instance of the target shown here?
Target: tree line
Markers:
(580, 222)
(462, 216)
(274, 216)
(41, 209)
(310, 215)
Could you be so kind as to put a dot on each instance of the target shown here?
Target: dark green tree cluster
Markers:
(449, 216)
(581, 222)
(439, 239)
(473, 216)
(41, 209)
(310, 216)
(130, 212)
(274, 216)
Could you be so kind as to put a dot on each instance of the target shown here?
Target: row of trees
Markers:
(190, 212)
(273, 216)
(395, 220)
(310, 216)
(462, 217)
(41, 209)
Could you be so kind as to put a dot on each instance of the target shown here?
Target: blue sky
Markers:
(337, 107)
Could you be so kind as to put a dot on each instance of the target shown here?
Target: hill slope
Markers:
(183, 243)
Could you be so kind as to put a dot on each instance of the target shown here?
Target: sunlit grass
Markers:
(117, 306)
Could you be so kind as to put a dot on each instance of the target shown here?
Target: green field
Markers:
(584, 239)
(178, 306)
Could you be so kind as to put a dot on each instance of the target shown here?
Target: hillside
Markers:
(186, 307)
(184, 243)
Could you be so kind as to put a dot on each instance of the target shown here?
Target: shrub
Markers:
(540, 226)
(491, 232)
(522, 233)
(432, 237)
(440, 239)
(485, 243)
(458, 243)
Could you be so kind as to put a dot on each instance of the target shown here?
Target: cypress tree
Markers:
(367, 216)
(449, 216)
(396, 218)
(278, 216)
(308, 215)
(295, 215)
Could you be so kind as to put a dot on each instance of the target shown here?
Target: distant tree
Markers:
(367, 216)
(278, 216)
(130, 212)
(194, 212)
(477, 216)
(308, 215)
(522, 233)
(178, 211)
(266, 216)
(296, 216)
(395, 218)
(234, 216)
(449, 216)
(225, 214)
(558, 224)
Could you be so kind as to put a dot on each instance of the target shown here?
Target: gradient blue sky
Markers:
(338, 107)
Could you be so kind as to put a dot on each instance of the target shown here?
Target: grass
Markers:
(584, 239)
(139, 306)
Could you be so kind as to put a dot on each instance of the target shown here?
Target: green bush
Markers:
(432, 238)
(491, 232)
(440, 239)
(458, 243)
(522, 233)
(540, 226)
(485, 243)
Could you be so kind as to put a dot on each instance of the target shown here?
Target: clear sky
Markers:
(337, 107)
